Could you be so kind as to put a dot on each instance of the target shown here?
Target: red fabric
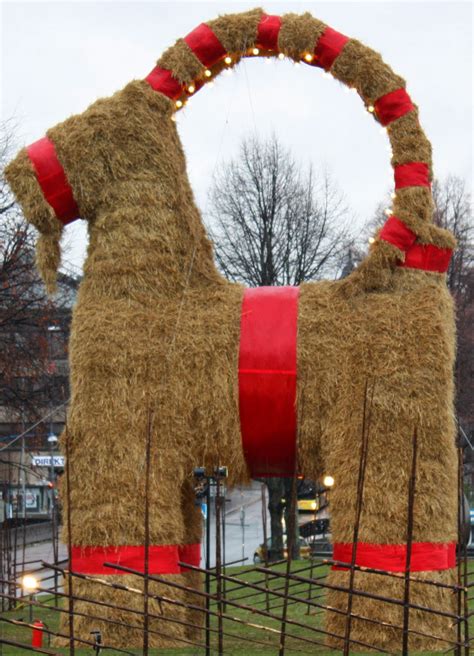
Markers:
(267, 379)
(205, 45)
(393, 105)
(414, 174)
(52, 180)
(163, 559)
(425, 556)
(329, 47)
(397, 233)
(427, 257)
(267, 32)
(189, 554)
(161, 80)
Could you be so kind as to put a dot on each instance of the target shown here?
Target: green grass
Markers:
(234, 645)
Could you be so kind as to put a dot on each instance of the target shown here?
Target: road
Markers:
(243, 525)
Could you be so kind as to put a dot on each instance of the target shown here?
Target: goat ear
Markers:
(23, 180)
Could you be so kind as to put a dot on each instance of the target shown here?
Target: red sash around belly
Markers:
(267, 380)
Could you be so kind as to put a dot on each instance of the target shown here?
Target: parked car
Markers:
(315, 527)
(259, 555)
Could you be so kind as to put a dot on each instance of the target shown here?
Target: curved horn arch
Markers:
(198, 58)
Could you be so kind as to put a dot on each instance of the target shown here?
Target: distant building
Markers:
(33, 403)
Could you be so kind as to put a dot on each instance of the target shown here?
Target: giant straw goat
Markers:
(269, 381)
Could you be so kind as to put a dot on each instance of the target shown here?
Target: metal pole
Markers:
(54, 527)
(242, 526)
(224, 583)
(23, 478)
(208, 563)
(69, 547)
(290, 536)
(359, 501)
(410, 515)
(265, 545)
(147, 534)
(220, 637)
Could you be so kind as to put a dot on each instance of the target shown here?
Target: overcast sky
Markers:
(58, 57)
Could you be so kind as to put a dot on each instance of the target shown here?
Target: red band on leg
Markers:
(329, 47)
(205, 45)
(163, 559)
(268, 31)
(425, 556)
(413, 174)
(189, 554)
(267, 379)
(52, 180)
(162, 81)
(393, 105)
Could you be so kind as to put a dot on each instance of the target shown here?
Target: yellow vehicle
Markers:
(308, 505)
(259, 555)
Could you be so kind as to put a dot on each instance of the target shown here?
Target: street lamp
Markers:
(53, 440)
(328, 481)
(29, 583)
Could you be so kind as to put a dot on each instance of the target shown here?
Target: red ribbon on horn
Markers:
(412, 174)
(268, 31)
(205, 45)
(393, 105)
(329, 47)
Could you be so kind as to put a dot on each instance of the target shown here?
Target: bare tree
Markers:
(274, 224)
(453, 211)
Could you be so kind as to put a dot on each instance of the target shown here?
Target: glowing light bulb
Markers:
(393, 196)
(328, 481)
(29, 582)
(281, 56)
(371, 240)
(207, 73)
(308, 57)
(255, 51)
(388, 211)
(191, 88)
(228, 60)
(371, 109)
(179, 104)
(173, 118)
